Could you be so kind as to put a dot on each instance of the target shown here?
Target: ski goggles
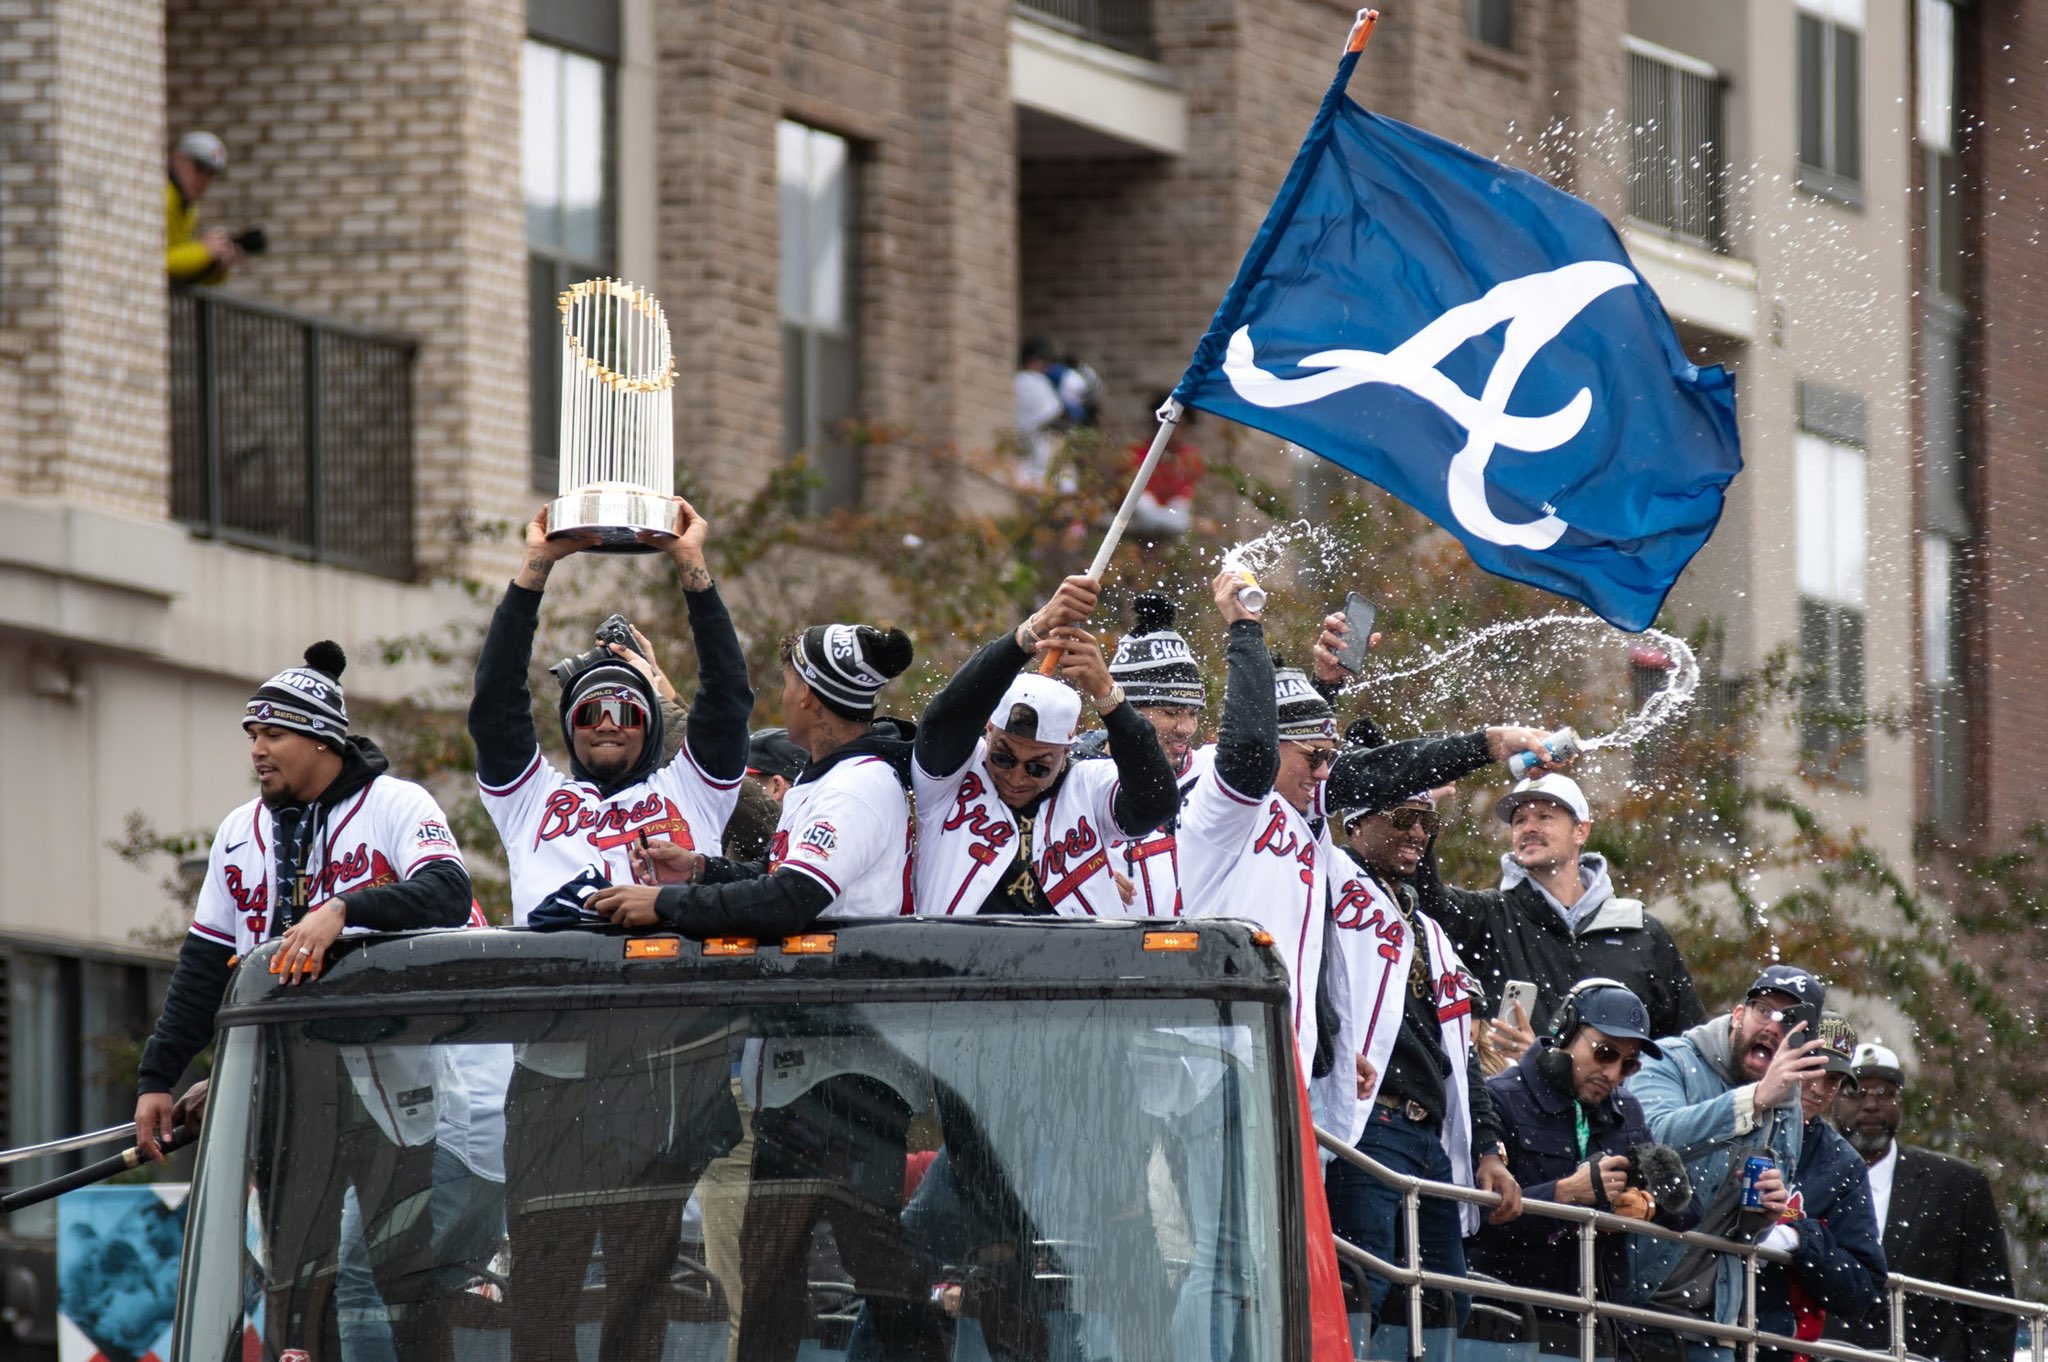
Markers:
(623, 709)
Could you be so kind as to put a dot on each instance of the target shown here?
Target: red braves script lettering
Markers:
(362, 864)
(1454, 994)
(989, 838)
(1350, 916)
(567, 814)
(778, 849)
(1276, 840)
(251, 901)
(1075, 846)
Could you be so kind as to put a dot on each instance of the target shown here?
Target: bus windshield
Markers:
(982, 1179)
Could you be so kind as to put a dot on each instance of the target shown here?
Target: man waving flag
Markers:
(1476, 342)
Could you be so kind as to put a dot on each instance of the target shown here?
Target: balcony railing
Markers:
(1123, 24)
(1676, 170)
(291, 434)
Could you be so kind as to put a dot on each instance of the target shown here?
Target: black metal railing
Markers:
(1677, 177)
(291, 434)
(1123, 24)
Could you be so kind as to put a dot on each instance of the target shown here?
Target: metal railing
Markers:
(1677, 179)
(291, 434)
(1123, 24)
(1591, 1310)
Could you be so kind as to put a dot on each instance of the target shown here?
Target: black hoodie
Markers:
(436, 895)
(744, 898)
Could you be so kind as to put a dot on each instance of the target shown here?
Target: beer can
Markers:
(1251, 595)
(1561, 745)
(1753, 1168)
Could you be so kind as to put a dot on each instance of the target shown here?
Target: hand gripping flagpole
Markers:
(1169, 419)
(1169, 413)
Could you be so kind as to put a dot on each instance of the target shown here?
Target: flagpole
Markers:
(1169, 419)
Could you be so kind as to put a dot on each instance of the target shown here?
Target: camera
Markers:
(252, 240)
(614, 630)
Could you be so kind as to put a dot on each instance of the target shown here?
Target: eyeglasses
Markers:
(1606, 1053)
(1429, 820)
(625, 713)
(1003, 759)
(1783, 1016)
(1318, 757)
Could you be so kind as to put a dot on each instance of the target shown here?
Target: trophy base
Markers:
(618, 516)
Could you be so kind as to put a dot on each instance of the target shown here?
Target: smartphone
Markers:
(1359, 614)
(1517, 991)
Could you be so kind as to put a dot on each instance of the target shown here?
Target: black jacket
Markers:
(1542, 1138)
(1839, 1264)
(1942, 1225)
(1516, 934)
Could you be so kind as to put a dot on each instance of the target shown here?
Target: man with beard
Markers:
(1402, 1043)
(1837, 1270)
(332, 845)
(1939, 1221)
(1556, 917)
(1725, 1091)
(1570, 1128)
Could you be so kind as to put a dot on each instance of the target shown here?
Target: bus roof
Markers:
(901, 959)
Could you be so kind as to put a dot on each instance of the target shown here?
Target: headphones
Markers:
(1566, 1020)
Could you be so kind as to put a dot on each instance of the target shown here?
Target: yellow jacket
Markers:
(185, 255)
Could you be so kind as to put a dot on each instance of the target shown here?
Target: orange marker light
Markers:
(730, 945)
(815, 943)
(1262, 938)
(653, 947)
(1172, 941)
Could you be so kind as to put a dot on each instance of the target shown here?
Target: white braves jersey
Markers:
(1152, 863)
(381, 834)
(849, 831)
(967, 840)
(553, 826)
(1259, 859)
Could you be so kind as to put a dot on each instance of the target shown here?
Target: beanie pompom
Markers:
(327, 658)
(1152, 612)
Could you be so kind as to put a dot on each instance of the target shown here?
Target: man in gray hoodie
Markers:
(1556, 919)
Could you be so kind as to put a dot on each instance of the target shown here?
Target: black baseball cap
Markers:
(771, 752)
(1615, 1011)
(1806, 990)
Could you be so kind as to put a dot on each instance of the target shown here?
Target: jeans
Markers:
(1366, 1212)
(468, 1214)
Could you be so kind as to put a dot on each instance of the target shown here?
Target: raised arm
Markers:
(1248, 738)
(953, 722)
(501, 710)
(716, 731)
(1147, 793)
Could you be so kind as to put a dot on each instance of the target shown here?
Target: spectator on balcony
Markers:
(191, 255)
(1837, 1270)
(1041, 414)
(1166, 508)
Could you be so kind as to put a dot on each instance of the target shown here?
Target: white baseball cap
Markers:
(1557, 789)
(208, 152)
(1039, 709)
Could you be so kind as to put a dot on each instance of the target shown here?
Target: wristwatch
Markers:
(1111, 700)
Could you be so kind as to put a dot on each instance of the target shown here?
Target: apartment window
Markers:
(1830, 56)
(71, 1027)
(820, 360)
(1832, 551)
(1491, 22)
(567, 147)
(1675, 118)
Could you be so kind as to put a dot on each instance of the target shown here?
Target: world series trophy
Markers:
(618, 422)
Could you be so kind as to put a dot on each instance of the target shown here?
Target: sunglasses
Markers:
(1429, 820)
(624, 713)
(1783, 1016)
(1605, 1053)
(1318, 757)
(1003, 759)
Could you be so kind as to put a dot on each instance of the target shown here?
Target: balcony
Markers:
(1677, 181)
(1125, 25)
(291, 434)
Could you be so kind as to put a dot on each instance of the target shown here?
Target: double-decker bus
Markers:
(912, 1138)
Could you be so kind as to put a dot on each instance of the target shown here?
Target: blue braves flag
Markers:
(1476, 342)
